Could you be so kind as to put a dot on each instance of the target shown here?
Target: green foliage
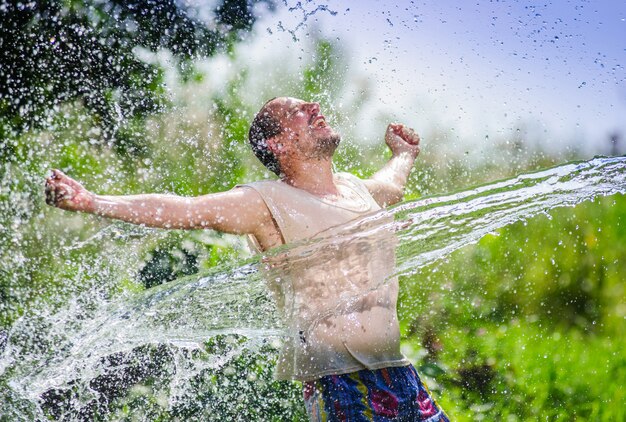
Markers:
(135, 387)
(323, 76)
(526, 323)
(54, 52)
(523, 371)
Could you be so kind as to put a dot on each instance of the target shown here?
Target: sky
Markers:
(466, 75)
(479, 70)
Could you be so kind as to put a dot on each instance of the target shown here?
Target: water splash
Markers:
(232, 306)
(305, 14)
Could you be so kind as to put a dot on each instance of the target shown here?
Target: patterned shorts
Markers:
(388, 394)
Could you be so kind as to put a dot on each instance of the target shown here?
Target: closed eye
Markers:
(293, 112)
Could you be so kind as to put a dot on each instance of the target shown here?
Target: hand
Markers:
(401, 139)
(66, 193)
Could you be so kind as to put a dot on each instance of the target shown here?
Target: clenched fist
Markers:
(401, 139)
(66, 193)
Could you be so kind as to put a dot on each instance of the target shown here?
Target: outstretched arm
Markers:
(238, 211)
(387, 184)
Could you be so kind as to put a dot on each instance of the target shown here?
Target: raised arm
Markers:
(387, 184)
(238, 211)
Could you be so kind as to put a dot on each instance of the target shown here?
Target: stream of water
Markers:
(206, 321)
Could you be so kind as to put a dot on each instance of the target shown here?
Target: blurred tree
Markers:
(53, 52)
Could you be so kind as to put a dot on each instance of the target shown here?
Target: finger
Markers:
(50, 195)
(417, 138)
(59, 175)
(413, 138)
(410, 136)
(54, 196)
(397, 128)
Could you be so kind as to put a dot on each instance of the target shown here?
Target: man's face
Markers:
(304, 127)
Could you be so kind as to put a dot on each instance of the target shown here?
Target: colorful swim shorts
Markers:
(388, 394)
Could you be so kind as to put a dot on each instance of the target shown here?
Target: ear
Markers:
(275, 145)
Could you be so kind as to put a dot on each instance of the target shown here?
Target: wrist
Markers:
(91, 203)
(405, 154)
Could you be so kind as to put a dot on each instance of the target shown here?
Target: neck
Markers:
(315, 177)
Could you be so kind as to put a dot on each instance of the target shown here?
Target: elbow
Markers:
(397, 195)
(393, 195)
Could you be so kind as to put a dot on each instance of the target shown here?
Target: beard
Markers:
(327, 145)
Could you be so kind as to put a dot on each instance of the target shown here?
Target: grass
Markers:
(527, 325)
(527, 371)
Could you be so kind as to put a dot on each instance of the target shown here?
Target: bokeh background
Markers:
(157, 96)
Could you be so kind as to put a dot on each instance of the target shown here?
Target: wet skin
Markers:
(304, 149)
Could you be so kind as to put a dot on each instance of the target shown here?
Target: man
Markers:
(347, 355)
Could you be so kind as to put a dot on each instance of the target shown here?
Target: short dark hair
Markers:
(265, 126)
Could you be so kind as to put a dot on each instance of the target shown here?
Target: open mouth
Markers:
(318, 122)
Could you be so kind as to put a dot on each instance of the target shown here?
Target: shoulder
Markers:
(358, 185)
(239, 199)
(354, 182)
(381, 192)
(351, 179)
(260, 184)
(263, 187)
